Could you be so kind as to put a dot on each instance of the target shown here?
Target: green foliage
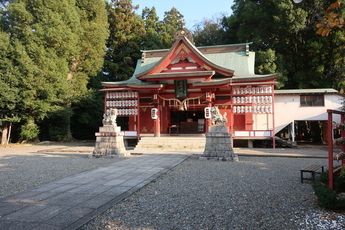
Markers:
(29, 131)
(160, 34)
(56, 47)
(173, 22)
(339, 182)
(9, 78)
(87, 116)
(208, 32)
(153, 27)
(6, 119)
(304, 58)
(126, 33)
(265, 62)
(327, 198)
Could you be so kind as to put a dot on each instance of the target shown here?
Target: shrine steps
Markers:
(285, 143)
(170, 143)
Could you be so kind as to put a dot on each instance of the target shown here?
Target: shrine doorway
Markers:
(189, 122)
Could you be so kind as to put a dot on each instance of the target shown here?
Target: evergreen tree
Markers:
(304, 59)
(265, 62)
(208, 32)
(10, 79)
(58, 45)
(153, 27)
(123, 46)
(173, 21)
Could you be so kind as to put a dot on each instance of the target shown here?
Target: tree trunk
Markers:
(5, 133)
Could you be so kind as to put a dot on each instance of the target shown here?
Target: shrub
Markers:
(326, 197)
(29, 132)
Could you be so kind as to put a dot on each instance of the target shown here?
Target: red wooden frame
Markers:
(331, 171)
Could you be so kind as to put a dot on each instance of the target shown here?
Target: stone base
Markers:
(219, 145)
(109, 142)
(220, 158)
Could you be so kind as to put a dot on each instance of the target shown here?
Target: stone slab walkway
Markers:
(71, 202)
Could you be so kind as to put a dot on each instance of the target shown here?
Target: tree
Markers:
(208, 32)
(289, 30)
(333, 18)
(153, 27)
(173, 22)
(123, 46)
(265, 62)
(58, 45)
(160, 34)
(9, 88)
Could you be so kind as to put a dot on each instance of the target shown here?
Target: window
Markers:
(312, 100)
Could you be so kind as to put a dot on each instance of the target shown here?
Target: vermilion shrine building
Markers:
(171, 90)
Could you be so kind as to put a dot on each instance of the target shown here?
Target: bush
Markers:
(29, 132)
(328, 198)
(339, 181)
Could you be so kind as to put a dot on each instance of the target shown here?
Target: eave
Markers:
(255, 78)
(216, 83)
(177, 75)
(131, 86)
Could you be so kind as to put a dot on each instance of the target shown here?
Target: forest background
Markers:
(55, 54)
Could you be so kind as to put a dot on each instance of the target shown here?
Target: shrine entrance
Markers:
(189, 122)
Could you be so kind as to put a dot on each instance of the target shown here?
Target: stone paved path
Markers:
(71, 202)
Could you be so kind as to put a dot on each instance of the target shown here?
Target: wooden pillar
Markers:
(342, 121)
(208, 122)
(157, 127)
(330, 149)
(293, 131)
(157, 123)
(156, 116)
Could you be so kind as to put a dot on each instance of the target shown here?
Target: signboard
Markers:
(181, 88)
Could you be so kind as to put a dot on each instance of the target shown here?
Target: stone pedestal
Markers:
(219, 145)
(109, 142)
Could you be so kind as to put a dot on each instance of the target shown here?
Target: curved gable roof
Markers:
(182, 43)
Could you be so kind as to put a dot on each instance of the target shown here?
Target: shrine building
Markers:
(172, 91)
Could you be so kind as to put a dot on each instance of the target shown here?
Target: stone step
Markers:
(171, 143)
(154, 150)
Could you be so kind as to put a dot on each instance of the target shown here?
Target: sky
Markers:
(192, 10)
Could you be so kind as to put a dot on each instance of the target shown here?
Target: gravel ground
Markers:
(254, 193)
(26, 166)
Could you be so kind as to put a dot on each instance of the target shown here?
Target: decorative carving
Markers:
(184, 32)
(217, 117)
(110, 119)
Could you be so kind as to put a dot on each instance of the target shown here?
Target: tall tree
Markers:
(10, 79)
(58, 50)
(123, 46)
(153, 28)
(173, 22)
(304, 58)
(208, 32)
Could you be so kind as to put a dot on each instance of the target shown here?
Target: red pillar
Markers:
(157, 121)
(330, 148)
(157, 125)
(209, 104)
